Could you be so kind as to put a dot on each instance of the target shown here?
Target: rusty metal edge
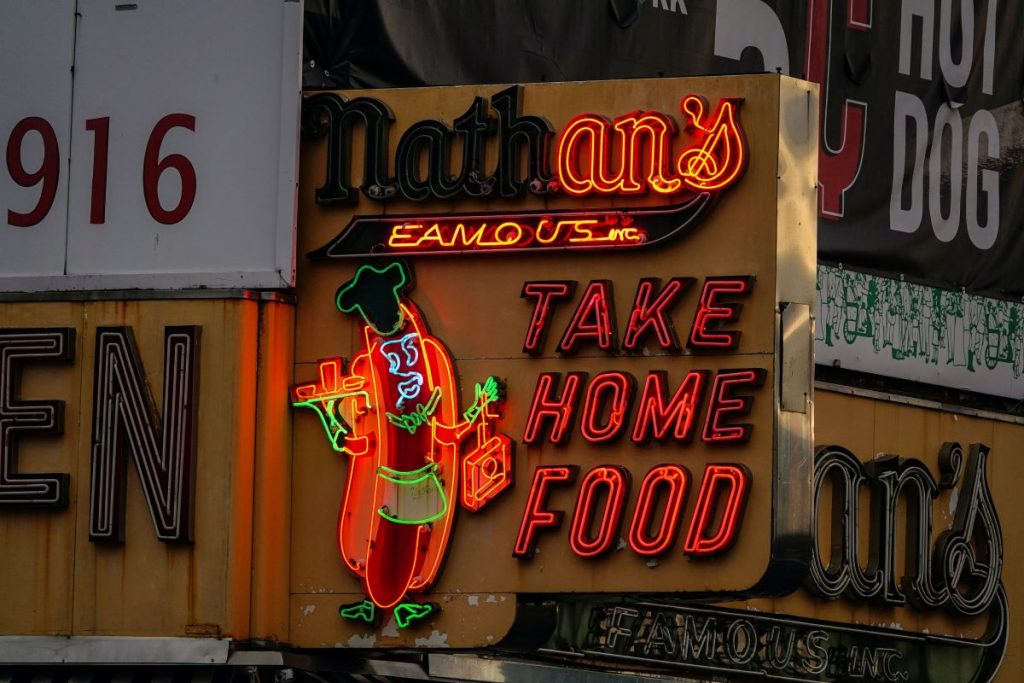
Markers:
(112, 650)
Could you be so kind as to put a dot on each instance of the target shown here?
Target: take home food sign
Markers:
(549, 339)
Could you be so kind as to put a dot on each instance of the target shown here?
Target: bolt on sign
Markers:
(550, 339)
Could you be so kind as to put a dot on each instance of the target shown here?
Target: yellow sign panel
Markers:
(130, 450)
(913, 504)
(560, 345)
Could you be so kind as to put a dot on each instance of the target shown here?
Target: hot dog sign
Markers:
(395, 415)
(622, 300)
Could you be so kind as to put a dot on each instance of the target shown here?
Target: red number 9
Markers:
(47, 173)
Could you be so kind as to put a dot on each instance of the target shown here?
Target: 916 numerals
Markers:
(48, 173)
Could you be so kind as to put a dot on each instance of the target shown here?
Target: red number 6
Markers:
(153, 168)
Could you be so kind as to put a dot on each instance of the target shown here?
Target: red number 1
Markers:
(98, 202)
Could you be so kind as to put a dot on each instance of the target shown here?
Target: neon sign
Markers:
(590, 144)
(600, 510)
(638, 145)
(629, 156)
(657, 417)
(415, 456)
(502, 232)
(394, 413)
(602, 408)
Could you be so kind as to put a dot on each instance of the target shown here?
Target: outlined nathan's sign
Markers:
(561, 345)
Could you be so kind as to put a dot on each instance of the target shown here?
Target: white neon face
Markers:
(402, 355)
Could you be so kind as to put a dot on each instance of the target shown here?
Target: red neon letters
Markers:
(654, 418)
(701, 540)
(666, 483)
(667, 411)
(558, 411)
(537, 516)
(594, 320)
(633, 154)
(601, 506)
(614, 389)
(598, 515)
(652, 316)
(543, 294)
(608, 396)
(723, 404)
(711, 312)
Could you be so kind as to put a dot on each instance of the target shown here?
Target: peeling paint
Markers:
(473, 600)
(652, 563)
(358, 641)
(895, 626)
(435, 639)
(390, 629)
(954, 496)
(504, 598)
(308, 609)
(492, 599)
(490, 638)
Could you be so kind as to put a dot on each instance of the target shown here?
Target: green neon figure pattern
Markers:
(419, 416)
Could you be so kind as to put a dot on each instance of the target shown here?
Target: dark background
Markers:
(405, 43)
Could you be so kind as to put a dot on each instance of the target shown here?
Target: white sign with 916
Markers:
(154, 144)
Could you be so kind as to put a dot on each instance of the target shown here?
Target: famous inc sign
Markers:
(549, 339)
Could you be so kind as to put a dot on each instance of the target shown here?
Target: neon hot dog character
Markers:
(395, 415)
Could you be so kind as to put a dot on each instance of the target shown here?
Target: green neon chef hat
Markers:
(375, 294)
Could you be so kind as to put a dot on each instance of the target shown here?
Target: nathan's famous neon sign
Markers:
(413, 456)
(630, 155)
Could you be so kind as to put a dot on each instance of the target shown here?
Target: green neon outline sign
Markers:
(408, 612)
(411, 478)
(324, 407)
(395, 292)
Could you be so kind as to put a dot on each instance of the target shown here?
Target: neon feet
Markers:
(359, 611)
(407, 613)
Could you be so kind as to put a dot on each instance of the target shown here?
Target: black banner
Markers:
(922, 163)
